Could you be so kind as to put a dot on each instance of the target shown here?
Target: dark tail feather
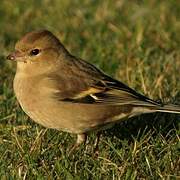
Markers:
(169, 108)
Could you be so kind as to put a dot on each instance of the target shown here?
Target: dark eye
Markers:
(34, 52)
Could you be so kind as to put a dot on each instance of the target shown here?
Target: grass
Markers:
(134, 41)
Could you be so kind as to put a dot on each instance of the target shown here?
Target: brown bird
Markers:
(60, 91)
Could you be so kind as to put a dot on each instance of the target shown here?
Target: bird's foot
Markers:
(81, 138)
(96, 145)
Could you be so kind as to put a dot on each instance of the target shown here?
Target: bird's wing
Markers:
(110, 93)
(89, 85)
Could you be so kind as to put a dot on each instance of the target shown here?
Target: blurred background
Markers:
(135, 41)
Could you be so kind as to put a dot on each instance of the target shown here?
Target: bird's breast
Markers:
(26, 92)
(34, 96)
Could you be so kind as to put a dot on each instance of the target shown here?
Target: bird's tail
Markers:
(170, 108)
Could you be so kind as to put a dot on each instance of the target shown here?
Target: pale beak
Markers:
(15, 56)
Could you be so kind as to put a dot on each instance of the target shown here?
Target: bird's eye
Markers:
(34, 52)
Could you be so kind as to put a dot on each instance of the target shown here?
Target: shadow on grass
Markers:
(138, 126)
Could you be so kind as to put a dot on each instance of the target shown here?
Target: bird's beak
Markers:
(15, 56)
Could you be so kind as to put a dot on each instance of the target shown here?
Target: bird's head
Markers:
(37, 48)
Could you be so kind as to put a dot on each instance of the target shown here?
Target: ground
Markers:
(136, 42)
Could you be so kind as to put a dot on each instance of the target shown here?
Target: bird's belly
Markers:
(95, 117)
(66, 116)
(74, 118)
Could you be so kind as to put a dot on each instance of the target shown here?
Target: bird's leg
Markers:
(96, 148)
(81, 138)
